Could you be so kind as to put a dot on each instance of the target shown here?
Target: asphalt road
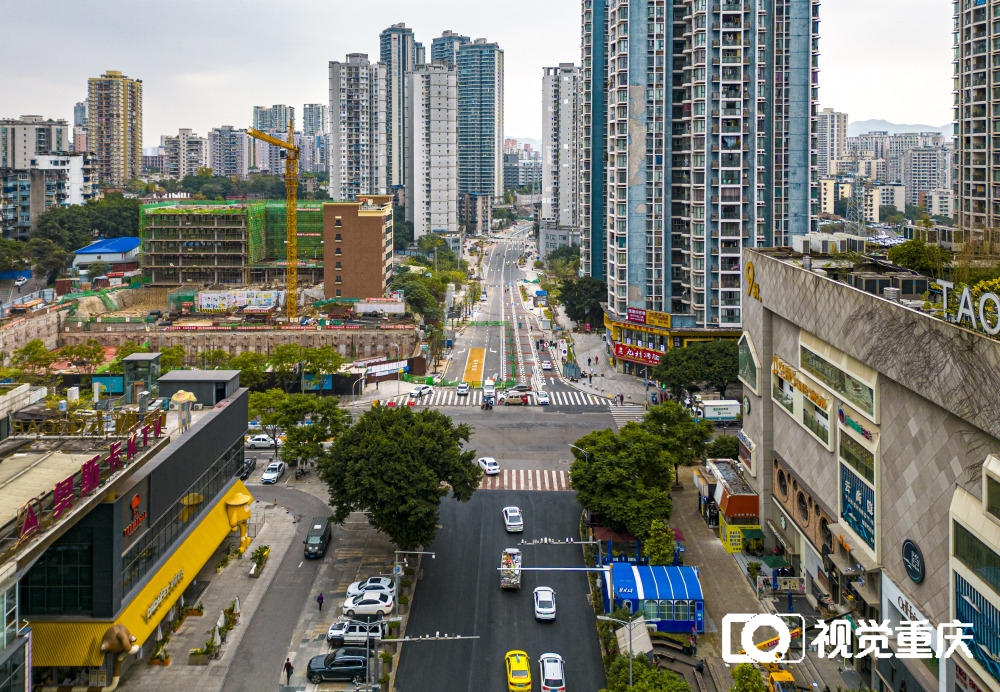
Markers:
(258, 659)
(460, 594)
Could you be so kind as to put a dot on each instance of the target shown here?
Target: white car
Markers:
(420, 391)
(263, 442)
(369, 603)
(543, 398)
(20, 281)
(462, 389)
(545, 603)
(552, 673)
(546, 365)
(372, 584)
(489, 465)
(513, 521)
(274, 471)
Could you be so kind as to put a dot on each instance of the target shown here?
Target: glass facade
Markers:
(858, 457)
(816, 420)
(143, 555)
(668, 610)
(973, 608)
(62, 581)
(748, 368)
(978, 557)
(993, 496)
(854, 391)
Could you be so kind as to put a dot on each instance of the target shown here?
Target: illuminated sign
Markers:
(753, 288)
(138, 515)
(82, 424)
(791, 376)
(160, 597)
(966, 311)
(650, 317)
(855, 426)
(637, 354)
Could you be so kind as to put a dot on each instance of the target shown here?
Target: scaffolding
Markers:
(310, 231)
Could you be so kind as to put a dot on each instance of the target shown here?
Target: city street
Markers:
(460, 594)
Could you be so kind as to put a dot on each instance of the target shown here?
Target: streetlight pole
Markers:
(585, 453)
(396, 567)
(629, 625)
(368, 626)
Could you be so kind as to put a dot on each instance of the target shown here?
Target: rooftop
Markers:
(199, 376)
(112, 245)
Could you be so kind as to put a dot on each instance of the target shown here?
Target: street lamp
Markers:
(398, 568)
(624, 623)
(368, 626)
(585, 453)
(360, 381)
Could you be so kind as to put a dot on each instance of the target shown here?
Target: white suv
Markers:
(347, 633)
(552, 672)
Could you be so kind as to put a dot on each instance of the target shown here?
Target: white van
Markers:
(489, 389)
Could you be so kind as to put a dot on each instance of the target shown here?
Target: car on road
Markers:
(552, 672)
(543, 398)
(545, 603)
(372, 584)
(546, 365)
(20, 281)
(274, 471)
(518, 671)
(462, 389)
(263, 442)
(339, 665)
(512, 398)
(489, 465)
(349, 632)
(420, 391)
(248, 467)
(513, 520)
(369, 603)
(520, 388)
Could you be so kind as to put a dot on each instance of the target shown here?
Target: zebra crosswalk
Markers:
(449, 397)
(627, 414)
(527, 479)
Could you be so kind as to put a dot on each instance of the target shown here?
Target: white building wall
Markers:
(560, 150)
(432, 116)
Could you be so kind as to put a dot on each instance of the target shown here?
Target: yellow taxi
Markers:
(518, 671)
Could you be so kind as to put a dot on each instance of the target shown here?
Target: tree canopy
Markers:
(715, 362)
(930, 260)
(397, 464)
(583, 297)
(723, 447)
(747, 678)
(251, 366)
(682, 438)
(645, 677)
(660, 544)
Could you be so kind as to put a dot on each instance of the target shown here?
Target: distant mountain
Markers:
(862, 126)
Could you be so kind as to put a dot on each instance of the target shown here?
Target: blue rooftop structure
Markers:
(110, 246)
(669, 597)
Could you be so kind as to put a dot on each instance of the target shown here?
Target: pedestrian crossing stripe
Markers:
(527, 479)
(628, 414)
(449, 397)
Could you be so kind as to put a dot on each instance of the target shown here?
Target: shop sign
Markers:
(65, 492)
(650, 317)
(857, 505)
(753, 288)
(746, 451)
(855, 426)
(790, 375)
(138, 516)
(637, 354)
(913, 561)
(78, 424)
(964, 681)
(966, 311)
(160, 597)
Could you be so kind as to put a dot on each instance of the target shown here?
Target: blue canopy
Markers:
(643, 582)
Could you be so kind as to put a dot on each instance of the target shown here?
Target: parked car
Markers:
(337, 666)
(248, 468)
(274, 471)
(372, 584)
(20, 281)
(420, 391)
(513, 521)
(462, 389)
(545, 603)
(348, 632)
(518, 671)
(489, 465)
(546, 365)
(369, 603)
(520, 388)
(553, 673)
(512, 398)
(263, 442)
(543, 398)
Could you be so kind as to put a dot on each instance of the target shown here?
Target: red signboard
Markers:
(637, 354)
(636, 315)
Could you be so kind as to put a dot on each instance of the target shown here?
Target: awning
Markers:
(780, 537)
(659, 583)
(774, 561)
(752, 534)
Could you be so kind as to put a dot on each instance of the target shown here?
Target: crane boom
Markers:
(291, 219)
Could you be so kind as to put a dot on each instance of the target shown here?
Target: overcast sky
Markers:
(207, 63)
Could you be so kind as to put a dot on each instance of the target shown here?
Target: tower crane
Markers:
(291, 204)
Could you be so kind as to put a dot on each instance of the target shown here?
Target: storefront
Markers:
(668, 597)
(704, 482)
(739, 507)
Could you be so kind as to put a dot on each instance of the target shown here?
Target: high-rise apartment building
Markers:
(400, 53)
(315, 123)
(560, 150)
(80, 113)
(709, 149)
(184, 154)
(882, 145)
(925, 169)
(831, 139)
(480, 119)
(445, 47)
(977, 200)
(80, 126)
(593, 120)
(357, 128)
(23, 139)
(114, 127)
(229, 152)
(276, 117)
(432, 116)
(48, 180)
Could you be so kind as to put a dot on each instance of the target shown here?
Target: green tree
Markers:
(723, 447)
(646, 677)
(720, 362)
(625, 478)
(87, 357)
(116, 367)
(309, 421)
(171, 358)
(417, 295)
(747, 678)
(113, 216)
(679, 369)
(286, 364)
(67, 227)
(267, 409)
(95, 269)
(582, 298)
(216, 358)
(321, 360)
(566, 253)
(251, 366)
(682, 439)
(660, 544)
(12, 255)
(917, 255)
(396, 465)
(47, 257)
(35, 360)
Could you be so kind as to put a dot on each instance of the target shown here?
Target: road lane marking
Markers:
(474, 366)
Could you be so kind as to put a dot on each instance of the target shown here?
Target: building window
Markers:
(61, 582)
(976, 609)
(993, 496)
(337, 238)
(858, 457)
(337, 251)
(338, 280)
(338, 266)
(748, 366)
(338, 293)
(977, 556)
(816, 420)
(854, 391)
(782, 393)
(803, 507)
(783, 484)
(337, 223)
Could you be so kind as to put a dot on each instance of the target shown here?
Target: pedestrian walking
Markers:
(588, 362)
(319, 600)
(595, 360)
(590, 378)
(646, 383)
(289, 669)
(694, 646)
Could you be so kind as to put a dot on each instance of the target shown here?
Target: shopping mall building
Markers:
(103, 525)
(871, 432)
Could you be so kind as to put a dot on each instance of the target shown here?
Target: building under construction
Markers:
(195, 243)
